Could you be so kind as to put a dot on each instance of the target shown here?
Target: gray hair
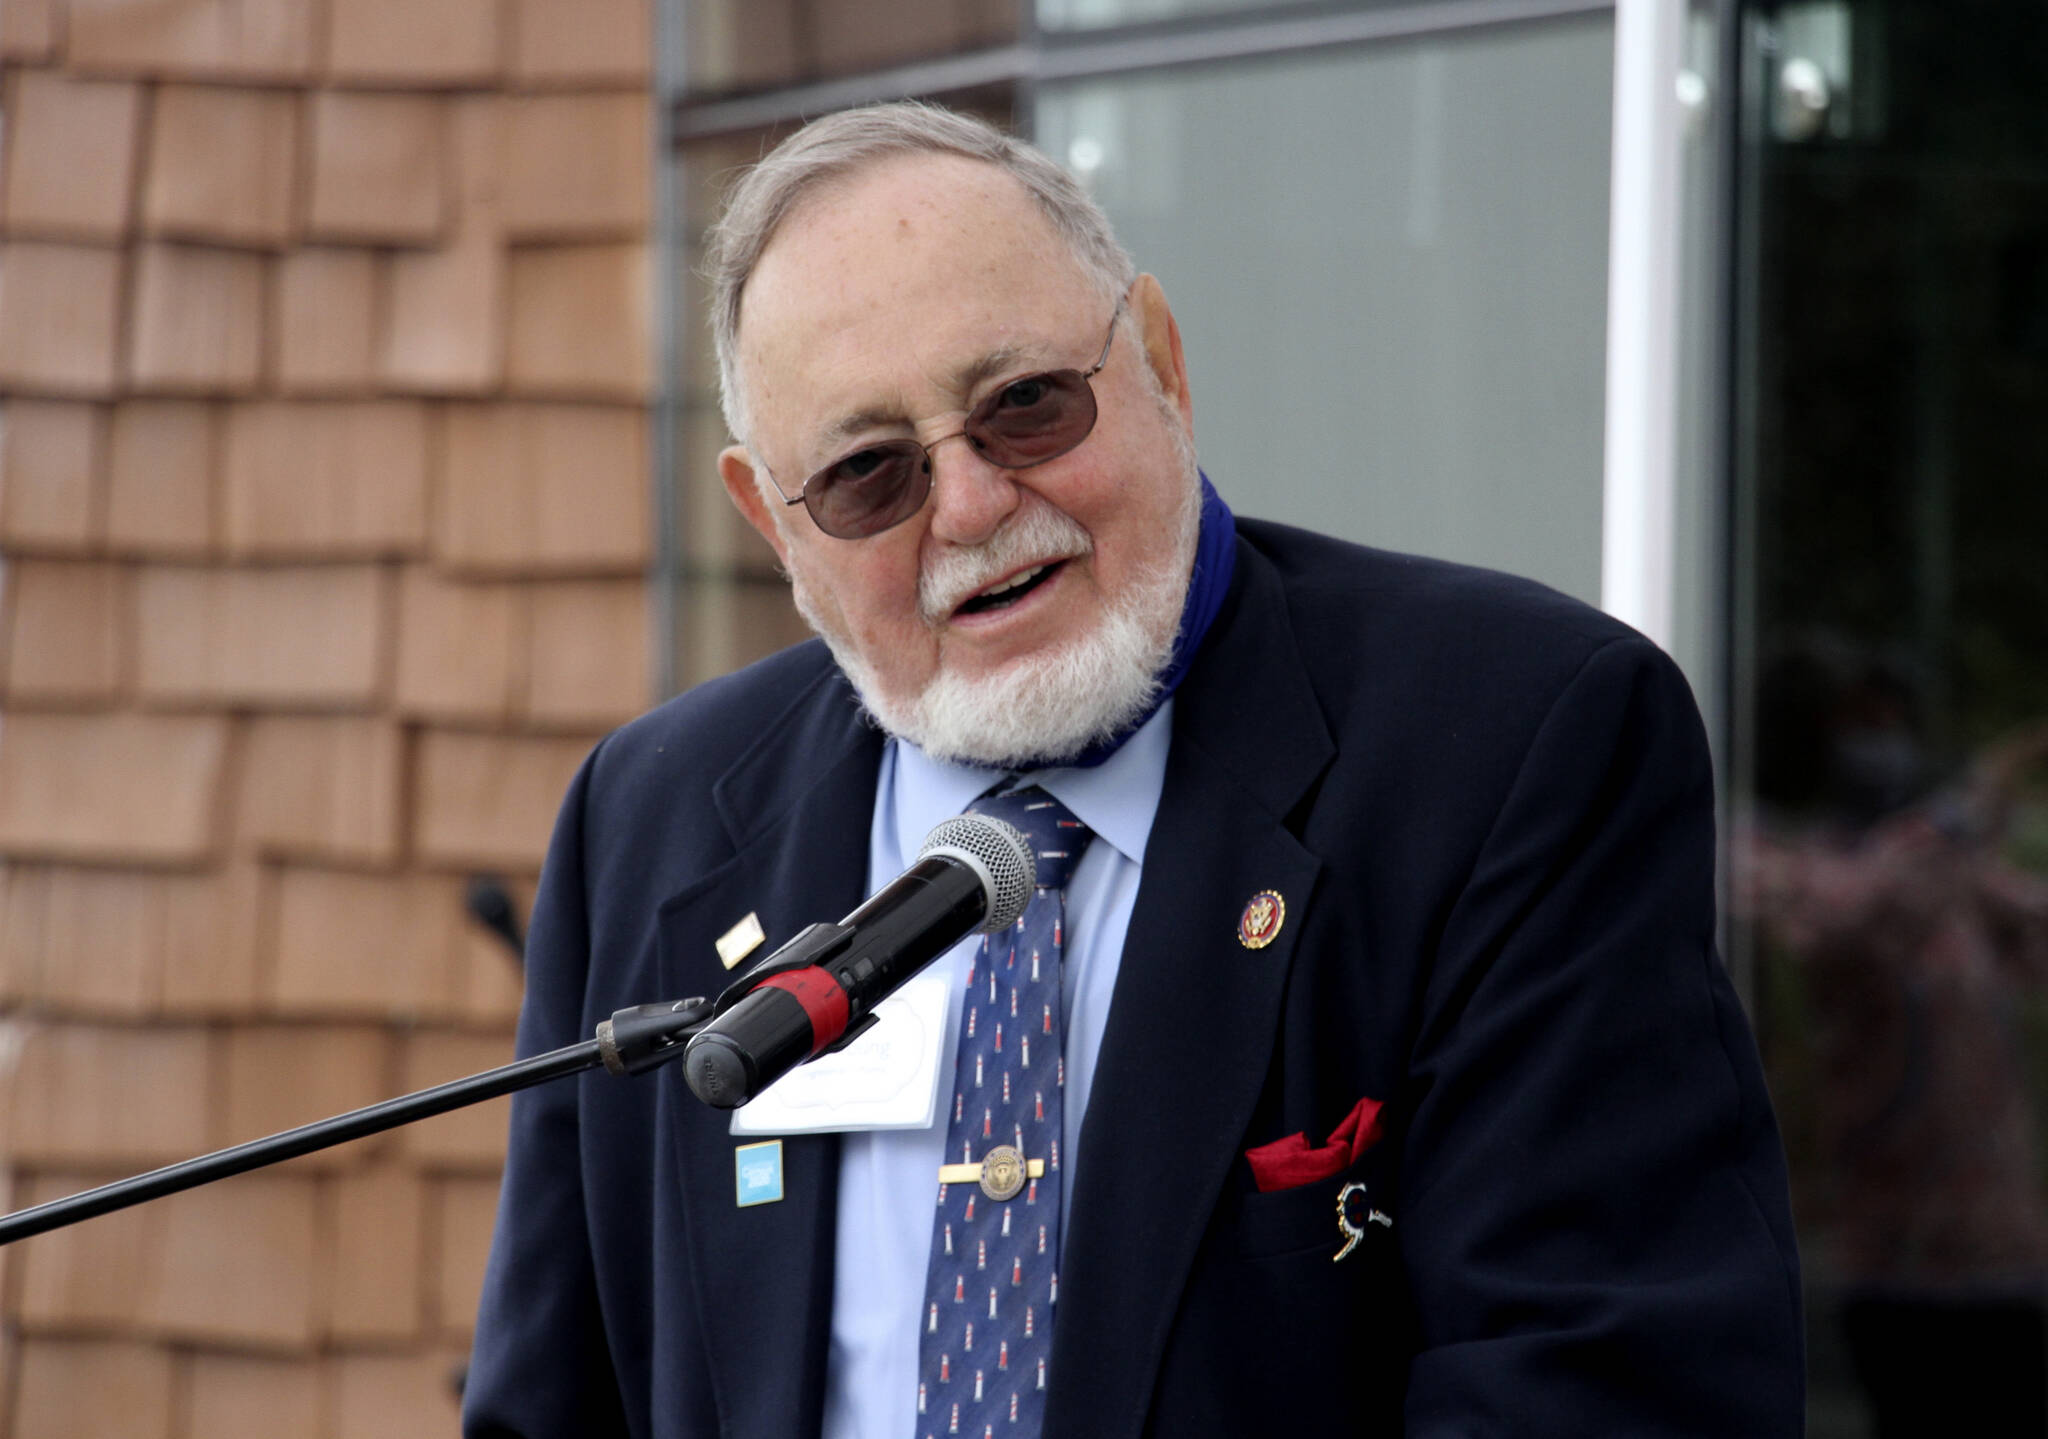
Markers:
(837, 146)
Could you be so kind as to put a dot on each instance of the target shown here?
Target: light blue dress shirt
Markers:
(889, 1179)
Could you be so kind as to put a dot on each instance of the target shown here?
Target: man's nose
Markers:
(970, 496)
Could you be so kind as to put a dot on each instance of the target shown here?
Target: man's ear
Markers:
(736, 468)
(1161, 334)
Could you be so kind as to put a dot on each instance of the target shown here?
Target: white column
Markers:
(1637, 539)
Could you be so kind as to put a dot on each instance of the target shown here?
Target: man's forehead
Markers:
(910, 228)
(933, 271)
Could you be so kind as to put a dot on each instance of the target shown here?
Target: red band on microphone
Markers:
(823, 1000)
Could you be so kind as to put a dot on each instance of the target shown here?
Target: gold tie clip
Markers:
(1001, 1172)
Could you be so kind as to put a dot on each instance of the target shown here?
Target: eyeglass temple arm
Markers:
(1100, 360)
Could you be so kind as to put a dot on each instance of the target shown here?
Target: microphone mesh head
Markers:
(1001, 855)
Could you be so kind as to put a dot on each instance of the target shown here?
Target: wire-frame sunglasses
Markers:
(1025, 422)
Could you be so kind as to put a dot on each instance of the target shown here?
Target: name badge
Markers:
(757, 1173)
(886, 1079)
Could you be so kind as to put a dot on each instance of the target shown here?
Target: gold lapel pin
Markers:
(741, 940)
(1260, 923)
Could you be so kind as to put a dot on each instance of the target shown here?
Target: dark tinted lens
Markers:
(869, 490)
(1035, 419)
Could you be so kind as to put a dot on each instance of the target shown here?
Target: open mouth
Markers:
(1011, 590)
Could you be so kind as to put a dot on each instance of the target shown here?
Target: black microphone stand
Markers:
(632, 1041)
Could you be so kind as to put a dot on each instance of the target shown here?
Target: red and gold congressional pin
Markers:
(1260, 923)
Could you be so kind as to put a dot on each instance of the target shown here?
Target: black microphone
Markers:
(817, 993)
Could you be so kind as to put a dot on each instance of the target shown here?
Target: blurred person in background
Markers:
(1918, 947)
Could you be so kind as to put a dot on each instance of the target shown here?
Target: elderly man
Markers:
(1386, 1078)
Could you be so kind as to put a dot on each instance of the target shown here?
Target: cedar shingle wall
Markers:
(324, 357)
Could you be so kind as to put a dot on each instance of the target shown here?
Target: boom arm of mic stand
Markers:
(632, 1041)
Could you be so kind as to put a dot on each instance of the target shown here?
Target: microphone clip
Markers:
(648, 1036)
(811, 947)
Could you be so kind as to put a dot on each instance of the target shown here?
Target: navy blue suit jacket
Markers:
(1489, 811)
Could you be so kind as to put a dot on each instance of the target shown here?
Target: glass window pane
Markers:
(1890, 844)
(1389, 266)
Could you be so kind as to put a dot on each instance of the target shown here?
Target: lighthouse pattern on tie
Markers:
(993, 1282)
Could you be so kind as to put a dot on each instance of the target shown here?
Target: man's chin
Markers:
(1040, 710)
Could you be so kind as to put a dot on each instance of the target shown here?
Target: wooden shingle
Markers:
(489, 801)
(306, 479)
(444, 327)
(544, 489)
(322, 789)
(221, 165)
(380, 1232)
(456, 646)
(325, 336)
(245, 1396)
(235, 1263)
(378, 1395)
(582, 42)
(97, 1095)
(432, 43)
(211, 922)
(89, 941)
(52, 456)
(587, 653)
(160, 482)
(277, 1076)
(462, 1139)
(196, 321)
(463, 1221)
(105, 1388)
(65, 632)
(379, 171)
(59, 313)
(84, 1275)
(28, 29)
(355, 945)
(266, 40)
(70, 156)
(111, 787)
(577, 166)
(579, 322)
(309, 637)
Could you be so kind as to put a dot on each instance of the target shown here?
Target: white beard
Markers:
(1045, 708)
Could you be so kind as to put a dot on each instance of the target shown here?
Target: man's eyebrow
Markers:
(999, 361)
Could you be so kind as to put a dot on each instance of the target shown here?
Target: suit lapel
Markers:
(1192, 1025)
(798, 808)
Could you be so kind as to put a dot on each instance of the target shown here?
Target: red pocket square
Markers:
(1289, 1163)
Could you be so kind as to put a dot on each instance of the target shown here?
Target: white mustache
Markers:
(1039, 534)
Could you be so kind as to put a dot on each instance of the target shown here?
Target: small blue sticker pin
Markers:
(757, 1169)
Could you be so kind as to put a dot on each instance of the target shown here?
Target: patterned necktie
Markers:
(994, 1274)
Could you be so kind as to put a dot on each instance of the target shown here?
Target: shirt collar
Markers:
(1117, 798)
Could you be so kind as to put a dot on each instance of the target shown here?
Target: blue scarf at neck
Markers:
(1215, 562)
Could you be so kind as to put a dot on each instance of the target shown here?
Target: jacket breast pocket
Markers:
(1267, 1319)
(1291, 1221)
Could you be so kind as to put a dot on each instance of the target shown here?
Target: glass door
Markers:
(1889, 861)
